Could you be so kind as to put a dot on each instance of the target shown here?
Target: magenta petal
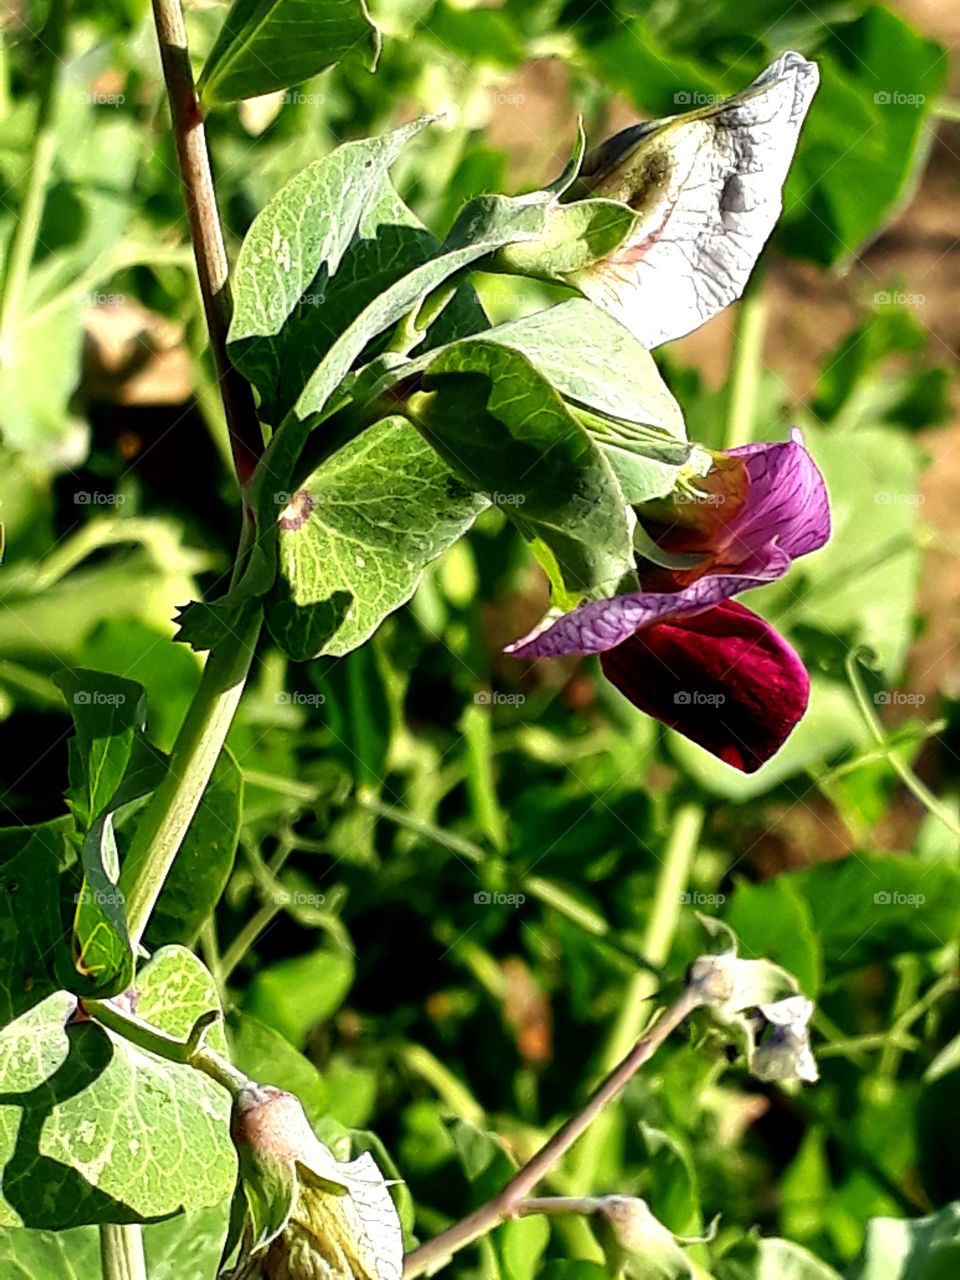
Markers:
(724, 678)
(786, 501)
(604, 624)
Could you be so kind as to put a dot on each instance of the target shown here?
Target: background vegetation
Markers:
(460, 879)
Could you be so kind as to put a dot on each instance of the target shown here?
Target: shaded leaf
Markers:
(265, 45)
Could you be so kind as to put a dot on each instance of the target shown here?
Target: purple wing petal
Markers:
(787, 499)
(725, 678)
(604, 624)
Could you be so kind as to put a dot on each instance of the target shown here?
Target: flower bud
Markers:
(307, 1215)
(635, 1243)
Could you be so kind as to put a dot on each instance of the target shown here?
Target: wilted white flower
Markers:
(784, 1052)
(707, 188)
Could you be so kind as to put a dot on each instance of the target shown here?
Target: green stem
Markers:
(27, 227)
(947, 109)
(121, 1253)
(192, 1052)
(165, 820)
(902, 770)
(658, 940)
(746, 365)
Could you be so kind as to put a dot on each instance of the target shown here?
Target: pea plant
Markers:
(374, 414)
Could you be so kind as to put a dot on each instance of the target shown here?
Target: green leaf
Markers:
(266, 1056)
(865, 137)
(266, 45)
(108, 712)
(183, 1248)
(111, 763)
(773, 1260)
(289, 305)
(911, 1248)
(293, 996)
(875, 906)
(593, 361)
(75, 1146)
(520, 1244)
(204, 861)
(32, 943)
(774, 919)
(505, 430)
(598, 366)
(357, 536)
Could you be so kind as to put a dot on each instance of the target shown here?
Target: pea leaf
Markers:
(911, 1248)
(187, 1247)
(266, 45)
(598, 366)
(32, 942)
(285, 318)
(108, 712)
(772, 1259)
(506, 431)
(74, 1149)
(294, 995)
(360, 531)
(111, 763)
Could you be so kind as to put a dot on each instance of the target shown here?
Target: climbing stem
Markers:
(121, 1253)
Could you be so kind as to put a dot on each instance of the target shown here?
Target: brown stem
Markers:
(506, 1203)
(245, 436)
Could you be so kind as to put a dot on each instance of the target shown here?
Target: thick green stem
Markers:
(746, 366)
(165, 820)
(27, 227)
(121, 1253)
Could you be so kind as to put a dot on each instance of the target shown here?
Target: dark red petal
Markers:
(724, 678)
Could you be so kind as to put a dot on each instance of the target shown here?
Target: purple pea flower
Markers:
(685, 652)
